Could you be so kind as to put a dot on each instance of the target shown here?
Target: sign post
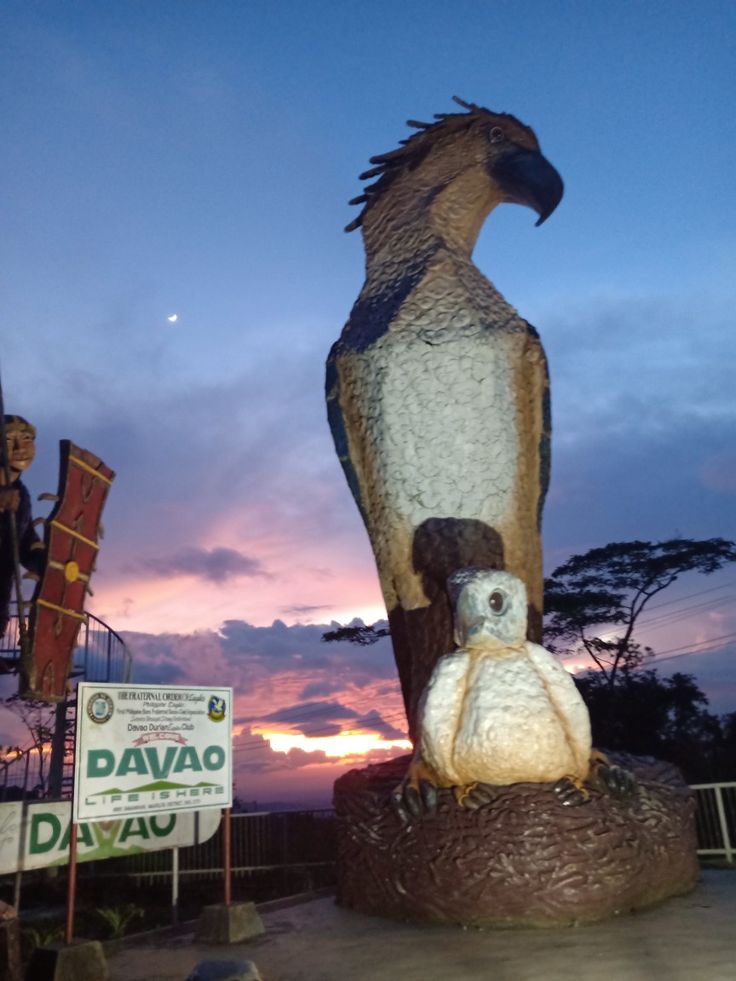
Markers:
(227, 853)
(71, 891)
(143, 750)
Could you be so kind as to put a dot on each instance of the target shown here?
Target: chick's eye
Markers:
(497, 601)
(497, 135)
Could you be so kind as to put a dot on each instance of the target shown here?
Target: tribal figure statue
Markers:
(437, 389)
(62, 564)
(15, 506)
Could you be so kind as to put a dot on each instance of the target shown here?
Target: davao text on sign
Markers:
(34, 835)
(150, 749)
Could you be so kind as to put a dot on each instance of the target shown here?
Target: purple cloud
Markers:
(372, 721)
(215, 564)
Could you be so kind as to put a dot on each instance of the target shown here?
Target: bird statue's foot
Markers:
(471, 796)
(616, 780)
(416, 795)
(603, 776)
(571, 791)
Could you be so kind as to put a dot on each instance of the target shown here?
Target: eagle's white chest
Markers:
(442, 424)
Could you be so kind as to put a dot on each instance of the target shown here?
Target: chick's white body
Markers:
(500, 709)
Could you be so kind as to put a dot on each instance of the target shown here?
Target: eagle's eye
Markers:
(497, 135)
(497, 602)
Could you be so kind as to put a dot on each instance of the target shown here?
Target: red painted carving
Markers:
(71, 541)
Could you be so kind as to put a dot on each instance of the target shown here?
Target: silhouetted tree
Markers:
(652, 716)
(610, 587)
(362, 635)
(726, 752)
(38, 718)
(631, 709)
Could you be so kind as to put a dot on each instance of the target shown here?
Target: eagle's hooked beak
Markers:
(526, 177)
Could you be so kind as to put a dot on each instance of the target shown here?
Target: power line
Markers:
(679, 614)
(696, 648)
(700, 592)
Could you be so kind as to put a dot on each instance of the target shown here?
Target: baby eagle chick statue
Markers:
(500, 710)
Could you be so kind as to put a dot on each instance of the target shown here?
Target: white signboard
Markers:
(35, 835)
(150, 749)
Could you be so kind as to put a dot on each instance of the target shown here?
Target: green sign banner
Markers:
(36, 835)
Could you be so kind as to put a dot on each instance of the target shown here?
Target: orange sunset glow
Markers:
(347, 744)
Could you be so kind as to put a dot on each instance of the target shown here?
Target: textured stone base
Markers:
(521, 860)
(83, 960)
(231, 924)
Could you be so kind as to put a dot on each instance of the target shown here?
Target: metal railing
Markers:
(100, 653)
(263, 841)
(270, 841)
(279, 853)
(715, 819)
(25, 776)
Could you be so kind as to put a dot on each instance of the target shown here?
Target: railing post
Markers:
(284, 853)
(725, 837)
(86, 649)
(175, 885)
(58, 751)
(227, 854)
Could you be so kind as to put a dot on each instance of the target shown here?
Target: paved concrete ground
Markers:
(691, 938)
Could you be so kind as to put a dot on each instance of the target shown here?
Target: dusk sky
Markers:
(192, 158)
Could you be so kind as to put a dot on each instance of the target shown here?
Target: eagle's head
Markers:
(516, 165)
(457, 169)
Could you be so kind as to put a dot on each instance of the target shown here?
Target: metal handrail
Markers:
(261, 842)
(715, 818)
(100, 653)
(272, 841)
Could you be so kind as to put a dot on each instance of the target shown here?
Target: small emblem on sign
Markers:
(100, 707)
(216, 708)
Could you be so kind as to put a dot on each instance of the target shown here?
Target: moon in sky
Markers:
(173, 318)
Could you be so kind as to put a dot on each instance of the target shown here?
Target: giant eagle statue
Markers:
(438, 402)
(437, 390)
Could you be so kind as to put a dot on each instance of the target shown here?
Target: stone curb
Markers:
(188, 927)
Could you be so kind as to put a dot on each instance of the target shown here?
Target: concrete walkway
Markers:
(691, 938)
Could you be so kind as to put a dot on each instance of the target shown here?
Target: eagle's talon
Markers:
(402, 812)
(416, 794)
(617, 780)
(474, 795)
(398, 800)
(429, 795)
(464, 794)
(413, 801)
(570, 792)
